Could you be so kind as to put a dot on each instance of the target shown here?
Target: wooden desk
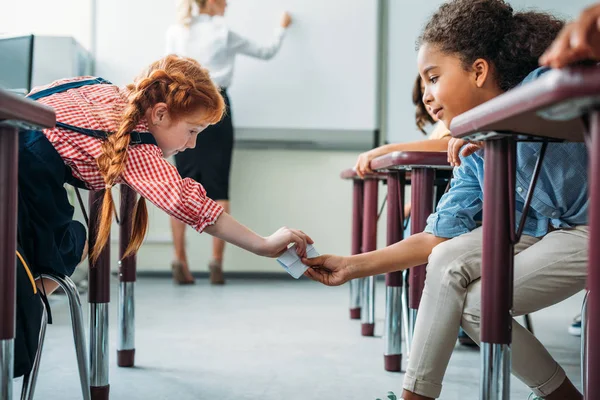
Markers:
(16, 113)
(422, 166)
(364, 239)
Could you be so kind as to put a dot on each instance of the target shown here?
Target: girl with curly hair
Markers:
(437, 141)
(470, 52)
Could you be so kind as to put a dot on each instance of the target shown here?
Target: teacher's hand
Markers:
(286, 20)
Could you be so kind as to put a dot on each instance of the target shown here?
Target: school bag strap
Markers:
(28, 271)
(28, 315)
(136, 137)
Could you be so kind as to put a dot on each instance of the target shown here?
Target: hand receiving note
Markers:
(292, 263)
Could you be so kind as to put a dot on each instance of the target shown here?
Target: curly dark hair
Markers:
(511, 42)
(422, 117)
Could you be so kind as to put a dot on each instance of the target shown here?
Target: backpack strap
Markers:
(83, 210)
(85, 216)
(43, 296)
(136, 137)
(67, 86)
(28, 271)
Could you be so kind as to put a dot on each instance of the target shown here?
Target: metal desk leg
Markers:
(357, 222)
(592, 389)
(422, 206)
(127, 275)
(99, 298)
(497, 270)
(393, 281)
(369, 240)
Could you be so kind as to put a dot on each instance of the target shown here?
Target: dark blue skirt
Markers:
(50, 238)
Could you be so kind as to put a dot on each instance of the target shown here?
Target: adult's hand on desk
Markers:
(286, 20)
(578, 41)
(328, 269)
(454, 150)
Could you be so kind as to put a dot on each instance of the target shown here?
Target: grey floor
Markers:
(267, 340)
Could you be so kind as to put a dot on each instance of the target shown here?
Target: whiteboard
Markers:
(325, 75)
(323, 80)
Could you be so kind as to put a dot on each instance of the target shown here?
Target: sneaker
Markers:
(465, 339)
(532, 396)
(391, 396)
(575, 327)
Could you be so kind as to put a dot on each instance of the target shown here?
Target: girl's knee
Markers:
(457, 261)
(448, 264)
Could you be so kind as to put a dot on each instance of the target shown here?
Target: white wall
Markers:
(122, 53)
(269, 189)
(406, 20)
(56, 17)
(320, 87)
(325, 75)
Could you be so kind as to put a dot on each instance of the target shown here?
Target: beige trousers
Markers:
(546, 271)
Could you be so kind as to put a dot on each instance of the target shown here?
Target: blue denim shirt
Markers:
(560, 197)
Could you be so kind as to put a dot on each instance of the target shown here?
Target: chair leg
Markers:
(584, 341)
(30, 380)
(407, 335)
(528, 324)
(78, 329)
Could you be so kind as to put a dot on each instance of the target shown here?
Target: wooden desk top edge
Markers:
(412, 159)
(19, 111)
(554, 87)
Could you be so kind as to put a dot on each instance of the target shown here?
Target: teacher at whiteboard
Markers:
(205, 37)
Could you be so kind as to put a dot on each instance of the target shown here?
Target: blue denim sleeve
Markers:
(533, 75)
(457, 209)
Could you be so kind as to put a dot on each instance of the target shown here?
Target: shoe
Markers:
(216, 273)
(465, 339)
(391, 396)
(575, 327)
(532, 396)
(181, 274)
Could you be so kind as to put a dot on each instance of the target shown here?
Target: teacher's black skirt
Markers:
(210, 161)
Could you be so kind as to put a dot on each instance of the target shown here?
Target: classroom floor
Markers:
(267, 340)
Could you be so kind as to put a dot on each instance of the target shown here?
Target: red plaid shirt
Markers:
(100, 107)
